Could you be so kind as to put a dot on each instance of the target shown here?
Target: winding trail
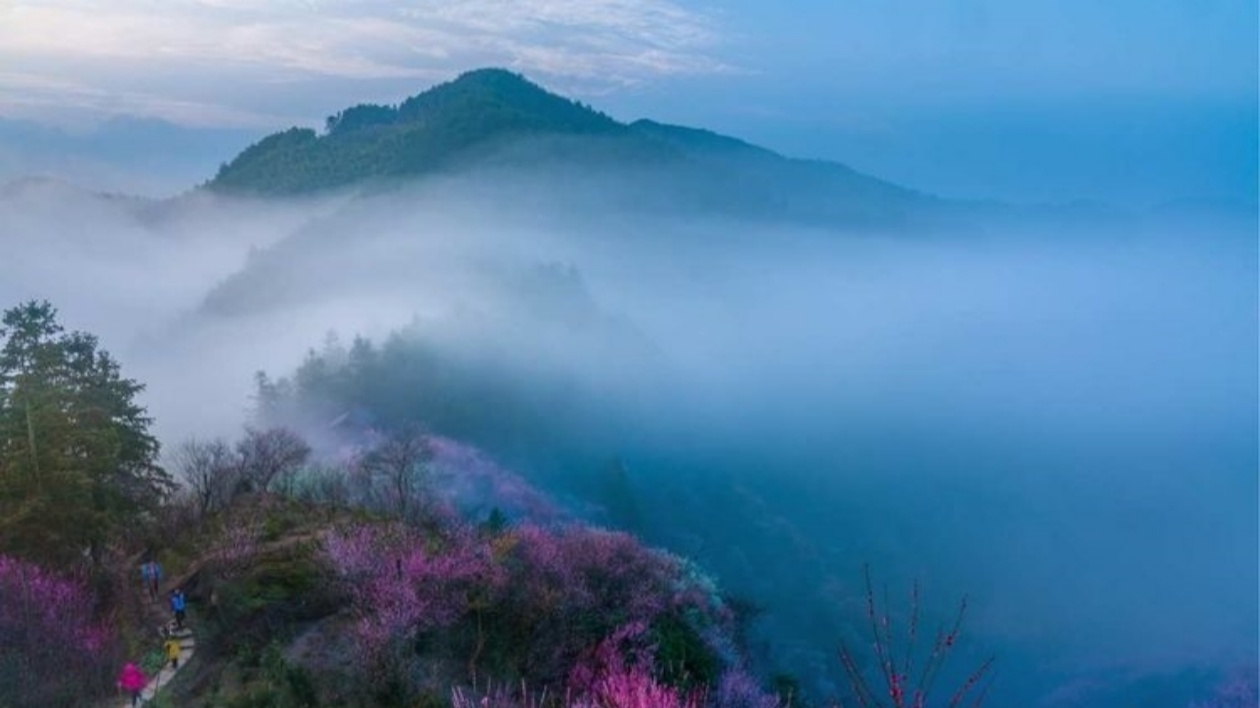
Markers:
(187, 647)
(187, 642)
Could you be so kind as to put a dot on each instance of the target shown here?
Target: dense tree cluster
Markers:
(536, 604)
(78, 463)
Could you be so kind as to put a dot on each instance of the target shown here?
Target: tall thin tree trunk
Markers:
(30, 439)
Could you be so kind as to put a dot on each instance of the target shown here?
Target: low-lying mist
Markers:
(1058, 419)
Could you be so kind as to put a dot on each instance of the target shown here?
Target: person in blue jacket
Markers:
(178, 606)
(151, 576)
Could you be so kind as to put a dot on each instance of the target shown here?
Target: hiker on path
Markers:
(151, 575)
(132, 681)
(172, 652)
(178, 605)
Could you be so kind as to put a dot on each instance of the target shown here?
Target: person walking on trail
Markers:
(132, 680)
(178, 606)
(151, 575)
(172, 652)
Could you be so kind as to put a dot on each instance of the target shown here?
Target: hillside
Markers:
(492, 118)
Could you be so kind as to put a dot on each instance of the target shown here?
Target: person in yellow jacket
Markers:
(172, 652)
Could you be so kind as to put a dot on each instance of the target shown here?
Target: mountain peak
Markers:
(510, 98)
(494, 76)
(496, 118)
(421, 134)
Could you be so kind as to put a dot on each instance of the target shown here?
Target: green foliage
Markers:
(275, 526)
(408, 380)
(495, 524)
(494, 118)
(295, 680)
(787, 687)
(684, 658)
(278, 591)
(423, 134)
(161, 700)
(430, 699)
(360, 117)
(270, 681)
(78, 465)
(152, 662)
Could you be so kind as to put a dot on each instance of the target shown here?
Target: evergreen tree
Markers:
(77, 459)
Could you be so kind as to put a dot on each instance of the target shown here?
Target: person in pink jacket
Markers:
(132, 681)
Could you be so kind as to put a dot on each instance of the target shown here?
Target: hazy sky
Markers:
(1040, 99)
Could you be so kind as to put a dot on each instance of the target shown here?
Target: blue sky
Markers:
(1128, 101)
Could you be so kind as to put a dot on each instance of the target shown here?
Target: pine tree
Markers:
(77, 459)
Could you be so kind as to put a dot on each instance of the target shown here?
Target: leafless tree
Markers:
(401, 464)
(210, 469)
(907, 677)
(271, 456)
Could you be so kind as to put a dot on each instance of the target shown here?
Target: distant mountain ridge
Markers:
(496, 118)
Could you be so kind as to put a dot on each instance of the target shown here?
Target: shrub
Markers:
(267, 599)
(738, 689)
(402, 583)
(619, 673)
(684, 659)
(636, 688)
(571, 588)
(54, 651)
(529, 603)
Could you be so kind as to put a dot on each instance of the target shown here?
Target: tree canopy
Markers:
(77, 459)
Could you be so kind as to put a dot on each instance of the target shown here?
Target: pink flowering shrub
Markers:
(629, 646)
(619, 673)
(52, 650)
(401, 583)
(635, 688)
(627, 669)
(500, 696)
(621, 687)
(529, 603)
(572, 587)
(237, 547)
(738, 689)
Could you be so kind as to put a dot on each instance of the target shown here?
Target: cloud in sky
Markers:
(269, 63)
(205, 61)
(938, 94)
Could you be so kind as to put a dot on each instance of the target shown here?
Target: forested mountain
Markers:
(610, 414)
(492, 118)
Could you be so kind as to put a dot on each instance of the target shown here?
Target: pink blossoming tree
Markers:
(528, 602)
(53, 652)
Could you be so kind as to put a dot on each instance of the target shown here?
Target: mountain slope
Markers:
(422, 134)
(495, 119)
